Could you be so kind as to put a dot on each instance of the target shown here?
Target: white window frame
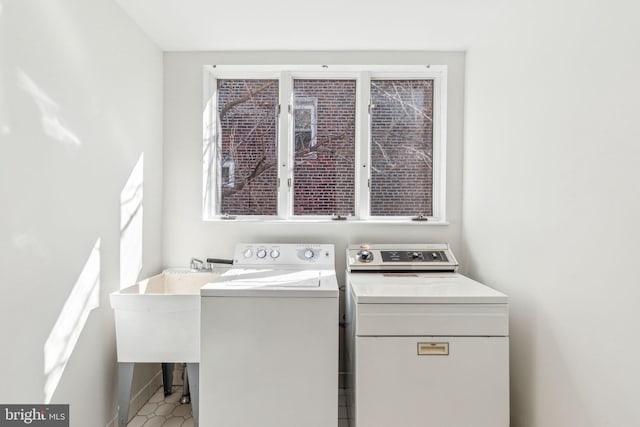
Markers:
(363, 75)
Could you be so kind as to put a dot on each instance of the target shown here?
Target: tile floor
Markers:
(164, 412)
(169, 412)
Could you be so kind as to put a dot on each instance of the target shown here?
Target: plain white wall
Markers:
(80, 101)
(552, 202)
(186, 235)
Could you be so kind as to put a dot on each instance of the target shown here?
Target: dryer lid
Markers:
(421, 288)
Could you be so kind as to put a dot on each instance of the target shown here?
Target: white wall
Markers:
(186, 235)
(80, 101)
(552, 201)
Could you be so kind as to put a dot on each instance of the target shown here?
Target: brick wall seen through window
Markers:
(401, 147)
(247, 113)
(324, 168)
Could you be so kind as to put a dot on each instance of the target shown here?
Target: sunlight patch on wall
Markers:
(131, 215)
(64, 335)
(5, 123)
(52, 123)
(5, 127)
(208, 134)
(28, 242)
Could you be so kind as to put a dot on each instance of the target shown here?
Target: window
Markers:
(324, 131)
(246, 147)
(362, 143)
(305, 122)
(401, 147)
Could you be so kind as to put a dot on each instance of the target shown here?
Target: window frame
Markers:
(363, 75)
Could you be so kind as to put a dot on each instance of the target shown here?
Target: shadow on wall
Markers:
(84, 297)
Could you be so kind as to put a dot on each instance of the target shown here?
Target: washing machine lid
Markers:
(268, 282)
(421, 288)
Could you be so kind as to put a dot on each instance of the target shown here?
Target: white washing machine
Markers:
(426, 346)
(269, 339)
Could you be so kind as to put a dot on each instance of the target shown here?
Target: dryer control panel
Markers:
(415, 257)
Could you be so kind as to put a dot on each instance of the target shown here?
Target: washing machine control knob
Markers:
(308, 254)
(415, 255)
(261, 253)
(247, 253)
(274, 253)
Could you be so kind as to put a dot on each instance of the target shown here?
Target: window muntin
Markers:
(324, 115)
(247, 139)
(363, 76)
(401, 148)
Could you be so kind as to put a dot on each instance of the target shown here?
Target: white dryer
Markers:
(269, 339)
(427, 347)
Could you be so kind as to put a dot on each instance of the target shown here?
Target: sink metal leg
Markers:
(167, 378)
(125, 379)
(193, 370)
(186, 398)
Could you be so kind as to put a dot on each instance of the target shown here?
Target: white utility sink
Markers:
(158, 319)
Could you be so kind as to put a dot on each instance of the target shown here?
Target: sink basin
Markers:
(158, 319)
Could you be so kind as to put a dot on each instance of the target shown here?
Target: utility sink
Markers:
(158, 319)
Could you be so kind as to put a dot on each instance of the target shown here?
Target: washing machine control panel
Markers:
(284, 254)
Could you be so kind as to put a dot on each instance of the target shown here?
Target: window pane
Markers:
(401, 147)
(324, 132)
(247, 147)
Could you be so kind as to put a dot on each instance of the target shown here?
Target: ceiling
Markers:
(189, 25)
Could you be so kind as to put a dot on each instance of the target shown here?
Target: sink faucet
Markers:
(197, 264)
(207, 265)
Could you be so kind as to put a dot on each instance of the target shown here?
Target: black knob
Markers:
(415, 255)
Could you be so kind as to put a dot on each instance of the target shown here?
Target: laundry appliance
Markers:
(269, 339)
(426, 346)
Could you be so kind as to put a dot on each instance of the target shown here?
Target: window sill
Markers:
(402, 221)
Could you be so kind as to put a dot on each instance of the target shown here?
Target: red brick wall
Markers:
(324, 177)
(249, 135)
(402, 148)
(401, 151)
